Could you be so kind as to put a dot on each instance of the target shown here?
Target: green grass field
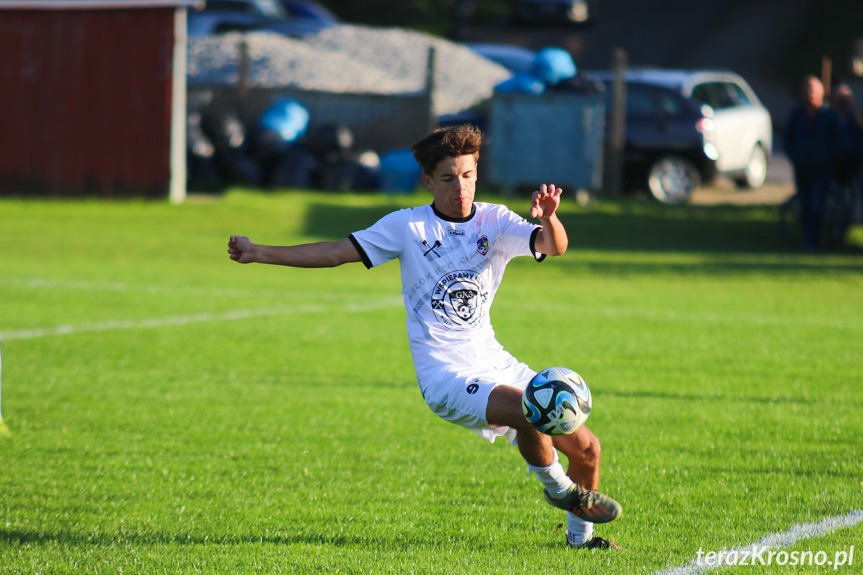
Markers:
(174, 412)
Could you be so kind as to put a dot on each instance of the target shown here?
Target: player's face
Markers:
(453, 184)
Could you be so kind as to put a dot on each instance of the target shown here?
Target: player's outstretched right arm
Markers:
(317, 255)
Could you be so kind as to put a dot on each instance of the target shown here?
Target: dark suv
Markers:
(669, 146)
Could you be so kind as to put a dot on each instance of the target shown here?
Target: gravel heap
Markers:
(348, 59)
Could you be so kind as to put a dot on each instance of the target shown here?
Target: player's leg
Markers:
(504, 408)
(583, 451)
(493, 408)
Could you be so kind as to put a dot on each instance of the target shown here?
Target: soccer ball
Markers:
(557, 401)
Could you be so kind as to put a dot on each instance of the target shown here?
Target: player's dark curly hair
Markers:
(449, 142)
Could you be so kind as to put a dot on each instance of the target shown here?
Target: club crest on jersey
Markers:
(458, 299)
(482, 246)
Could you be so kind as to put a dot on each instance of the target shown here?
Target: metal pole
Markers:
(617, 125)
(177, 185)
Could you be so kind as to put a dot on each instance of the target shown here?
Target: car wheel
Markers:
(672, 179)
(755, 172)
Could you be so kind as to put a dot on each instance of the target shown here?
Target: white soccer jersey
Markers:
(450, 270)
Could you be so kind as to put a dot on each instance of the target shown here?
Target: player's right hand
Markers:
(545, 201)
(240, 249)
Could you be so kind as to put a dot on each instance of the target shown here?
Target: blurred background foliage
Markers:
(440, 17)
(835, 31)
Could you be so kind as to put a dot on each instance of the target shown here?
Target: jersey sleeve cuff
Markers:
(537, 256)
(363, 255)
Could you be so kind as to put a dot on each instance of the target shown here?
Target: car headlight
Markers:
(710, 151)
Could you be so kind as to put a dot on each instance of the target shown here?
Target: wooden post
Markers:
(431, 63)
(826, 73)
(242, 73)
(616, 126)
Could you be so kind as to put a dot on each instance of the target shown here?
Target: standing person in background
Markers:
(813, 143)
(850, 164)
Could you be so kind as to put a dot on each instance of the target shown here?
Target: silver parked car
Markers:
(743, 129)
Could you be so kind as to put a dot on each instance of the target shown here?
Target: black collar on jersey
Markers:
(446, 218)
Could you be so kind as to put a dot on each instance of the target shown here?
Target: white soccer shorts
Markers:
(462, 398)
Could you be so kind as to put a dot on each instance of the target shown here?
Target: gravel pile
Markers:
(348, 59)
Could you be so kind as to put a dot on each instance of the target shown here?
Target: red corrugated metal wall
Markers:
(85, 101)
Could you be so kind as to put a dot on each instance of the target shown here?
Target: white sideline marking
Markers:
(120, 287)
(792, 320)
(788, 538)
(235, 315)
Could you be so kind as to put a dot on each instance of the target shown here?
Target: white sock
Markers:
(578, 531)
(553, 477)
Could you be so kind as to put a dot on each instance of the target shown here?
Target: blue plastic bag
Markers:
(400, 171)
(286, 117)
(520, 83)
(553, 65)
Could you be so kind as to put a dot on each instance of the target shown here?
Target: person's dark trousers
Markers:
(812, 191)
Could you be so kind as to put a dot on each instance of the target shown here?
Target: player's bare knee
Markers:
(589, 449)
(582, 446)
(593, 450)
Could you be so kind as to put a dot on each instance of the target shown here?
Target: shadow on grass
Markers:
(674, 230)
(643, 227)
(697, 229)
(336, 222)
(628, 227)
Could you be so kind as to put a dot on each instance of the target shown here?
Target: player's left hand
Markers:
(545, 201)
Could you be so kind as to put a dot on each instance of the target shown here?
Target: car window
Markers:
(714, 94)
(272, 8)
(741, 98)
(668, 103)
(639, 101)
(645, 101)
(702, 93)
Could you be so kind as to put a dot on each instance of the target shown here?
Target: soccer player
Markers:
(452, 254)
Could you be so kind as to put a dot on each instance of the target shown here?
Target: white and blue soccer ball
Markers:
(557, 401)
